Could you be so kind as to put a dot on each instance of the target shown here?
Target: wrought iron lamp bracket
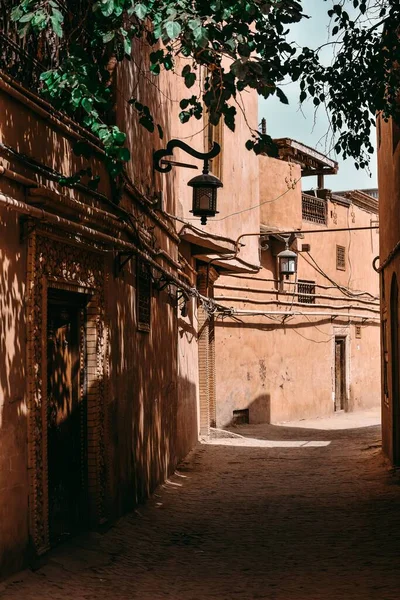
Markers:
(159, 155)
(121, 260)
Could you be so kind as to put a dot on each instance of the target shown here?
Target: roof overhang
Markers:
(360, 198)
(209, 242)
(311, 161)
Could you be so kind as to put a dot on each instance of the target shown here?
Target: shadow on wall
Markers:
(258, 411)
(152, 412)
(13, 408)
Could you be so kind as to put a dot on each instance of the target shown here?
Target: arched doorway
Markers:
(394, 329)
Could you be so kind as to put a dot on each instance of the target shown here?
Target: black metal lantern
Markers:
(287, 262)
(205, 188)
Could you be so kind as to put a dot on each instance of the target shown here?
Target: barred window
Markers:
(143, 296)
(341, 258)
(313, 209)
(306, 291)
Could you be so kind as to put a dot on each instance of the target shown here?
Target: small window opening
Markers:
(306, 291)
(341, 258)
(241, 417)
(358, 331)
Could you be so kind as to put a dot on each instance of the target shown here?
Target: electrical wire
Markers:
(239, 212)
(345, 291)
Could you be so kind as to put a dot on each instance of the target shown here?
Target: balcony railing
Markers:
(314, 209)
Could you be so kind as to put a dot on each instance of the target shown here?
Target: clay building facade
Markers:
(106, 347)
(388, 142)
(308, 345)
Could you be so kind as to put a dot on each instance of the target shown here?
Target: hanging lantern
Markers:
(204, 203)
(205, 186)
(287, 262)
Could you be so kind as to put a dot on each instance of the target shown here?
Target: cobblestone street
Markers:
(308, 511)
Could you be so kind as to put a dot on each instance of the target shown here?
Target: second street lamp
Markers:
(287, 262)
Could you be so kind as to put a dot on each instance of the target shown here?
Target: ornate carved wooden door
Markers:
(66, 412)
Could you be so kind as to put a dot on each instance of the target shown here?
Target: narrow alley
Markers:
(303, 511)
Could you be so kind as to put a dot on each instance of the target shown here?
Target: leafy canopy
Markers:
(238, 44)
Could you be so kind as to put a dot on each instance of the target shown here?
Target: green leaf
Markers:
(147, 123)
(282, 97)
(46, 75)
(194, 23)
(87, 104)
(184, 116)
(124, 154)
(140, 11)
(155, 69)
(107, 7)
(58, 14)
(56, 23)
(190, 79)
(127, 46)
(173, 29)
(27, 18)
(16, 13)
(107, 37)
(186, 70)
(119, 136)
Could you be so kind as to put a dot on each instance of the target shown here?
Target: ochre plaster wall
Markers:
(280, 191)
(13, 409)
(389, 224)
(285, 371)
(151, 378)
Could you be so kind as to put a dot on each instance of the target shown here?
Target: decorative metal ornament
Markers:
(205, 186)
(204, 203)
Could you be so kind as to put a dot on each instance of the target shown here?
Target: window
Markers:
(214, 133)
(306, 291)
(358, 331)
(341, 258)
(241, 417)
(313, 209)
(143, 296)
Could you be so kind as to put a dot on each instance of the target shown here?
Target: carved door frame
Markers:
(58, 264)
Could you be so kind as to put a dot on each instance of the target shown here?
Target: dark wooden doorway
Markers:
(394, 332)
(66, 415)
(340, 373)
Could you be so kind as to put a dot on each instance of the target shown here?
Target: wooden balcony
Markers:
(314, 210)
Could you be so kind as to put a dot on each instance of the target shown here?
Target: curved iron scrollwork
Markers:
(168, 151)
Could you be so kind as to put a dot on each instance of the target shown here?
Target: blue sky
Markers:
(301, 124)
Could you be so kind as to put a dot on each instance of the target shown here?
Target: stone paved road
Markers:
(276, 519)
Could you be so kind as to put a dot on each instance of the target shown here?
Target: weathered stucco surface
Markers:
(283, 369)
(148, 381)
(389, 205)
